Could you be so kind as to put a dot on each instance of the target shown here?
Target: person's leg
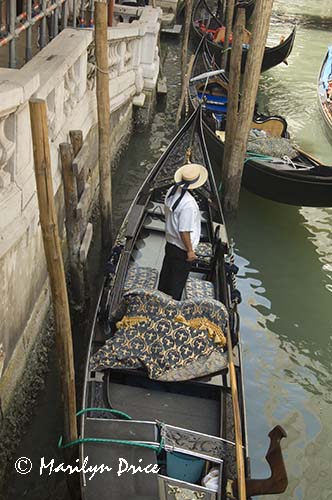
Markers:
(178, 273)
(164, 273)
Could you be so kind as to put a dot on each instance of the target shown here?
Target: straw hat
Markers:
(193, 173)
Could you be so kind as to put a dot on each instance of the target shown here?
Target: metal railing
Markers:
(50, 16)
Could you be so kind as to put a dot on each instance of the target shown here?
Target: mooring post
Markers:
(233, 90)
(55, 267)
(76, 139)
(184, 55)
(72, 223)
(185, 88)
(261, 21)
(110, 13)
(229, 24)
(103, 107)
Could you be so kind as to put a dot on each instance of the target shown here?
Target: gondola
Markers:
(290, 176)
(157, 392)
(325, 90)
(203, 21)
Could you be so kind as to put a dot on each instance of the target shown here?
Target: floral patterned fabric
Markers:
(199, 289)
(149, 336)
(141, 277)
(204, 253)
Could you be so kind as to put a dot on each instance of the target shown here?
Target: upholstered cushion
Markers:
(141, 277)
(173, 340)
(204, 253)
(199, 289)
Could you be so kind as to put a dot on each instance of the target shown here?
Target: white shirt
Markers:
(185, 218)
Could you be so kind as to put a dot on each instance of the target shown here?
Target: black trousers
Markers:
(174, 272)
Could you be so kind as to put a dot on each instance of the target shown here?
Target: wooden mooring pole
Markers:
(229, 25)
(72, 224)
(110, 13)
(103, 107)
(184, 55)
(233, 88)
(261, 21)
(55, 267)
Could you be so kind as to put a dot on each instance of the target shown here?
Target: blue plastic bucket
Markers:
(184, 467)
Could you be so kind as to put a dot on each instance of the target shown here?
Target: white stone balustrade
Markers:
(63, 75)
(58, 74)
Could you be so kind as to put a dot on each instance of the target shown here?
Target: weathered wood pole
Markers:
(184, 56)
(52, 247)
(110, 13)
(184, 88)
(103, 108)
(229, 25)
(261, 21)
(76, 139)
(233, 87)
(72, 224)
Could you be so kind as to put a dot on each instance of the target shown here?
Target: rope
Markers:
(153, 447)
(107, 410)
(101, 70)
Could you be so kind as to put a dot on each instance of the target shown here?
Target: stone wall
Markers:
(63, 75)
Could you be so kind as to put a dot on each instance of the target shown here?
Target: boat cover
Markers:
(172, 340)
(277, 147)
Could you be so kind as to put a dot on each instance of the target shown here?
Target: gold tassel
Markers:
(214, 331)
(128, 322)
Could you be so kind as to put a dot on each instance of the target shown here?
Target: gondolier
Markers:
(183, 229)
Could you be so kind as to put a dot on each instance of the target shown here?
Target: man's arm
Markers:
(186, 240)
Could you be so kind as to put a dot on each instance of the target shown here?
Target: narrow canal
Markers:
(285, 259)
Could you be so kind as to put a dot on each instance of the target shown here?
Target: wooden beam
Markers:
(229, 25)
(184, 55)
(52, 247)
(233, 90)
(103, 107)
(261, 21)
(72, 222)
(185, 88)
(110, 13)
(84, 202)
(84, 250)
(76, 139)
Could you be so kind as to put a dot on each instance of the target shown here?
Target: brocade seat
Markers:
(141, 277)
(199, 289)
(172, 340)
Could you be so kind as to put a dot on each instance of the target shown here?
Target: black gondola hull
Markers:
(272, 55)
(292, 188)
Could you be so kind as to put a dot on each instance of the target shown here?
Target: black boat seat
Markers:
(199, 289)
(141, 277)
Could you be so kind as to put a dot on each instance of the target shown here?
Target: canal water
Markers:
(285, 258)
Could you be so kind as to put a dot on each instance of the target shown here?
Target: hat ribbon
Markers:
(184, 185)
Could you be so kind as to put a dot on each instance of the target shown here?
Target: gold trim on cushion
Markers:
(128, 322)
(214, 331)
